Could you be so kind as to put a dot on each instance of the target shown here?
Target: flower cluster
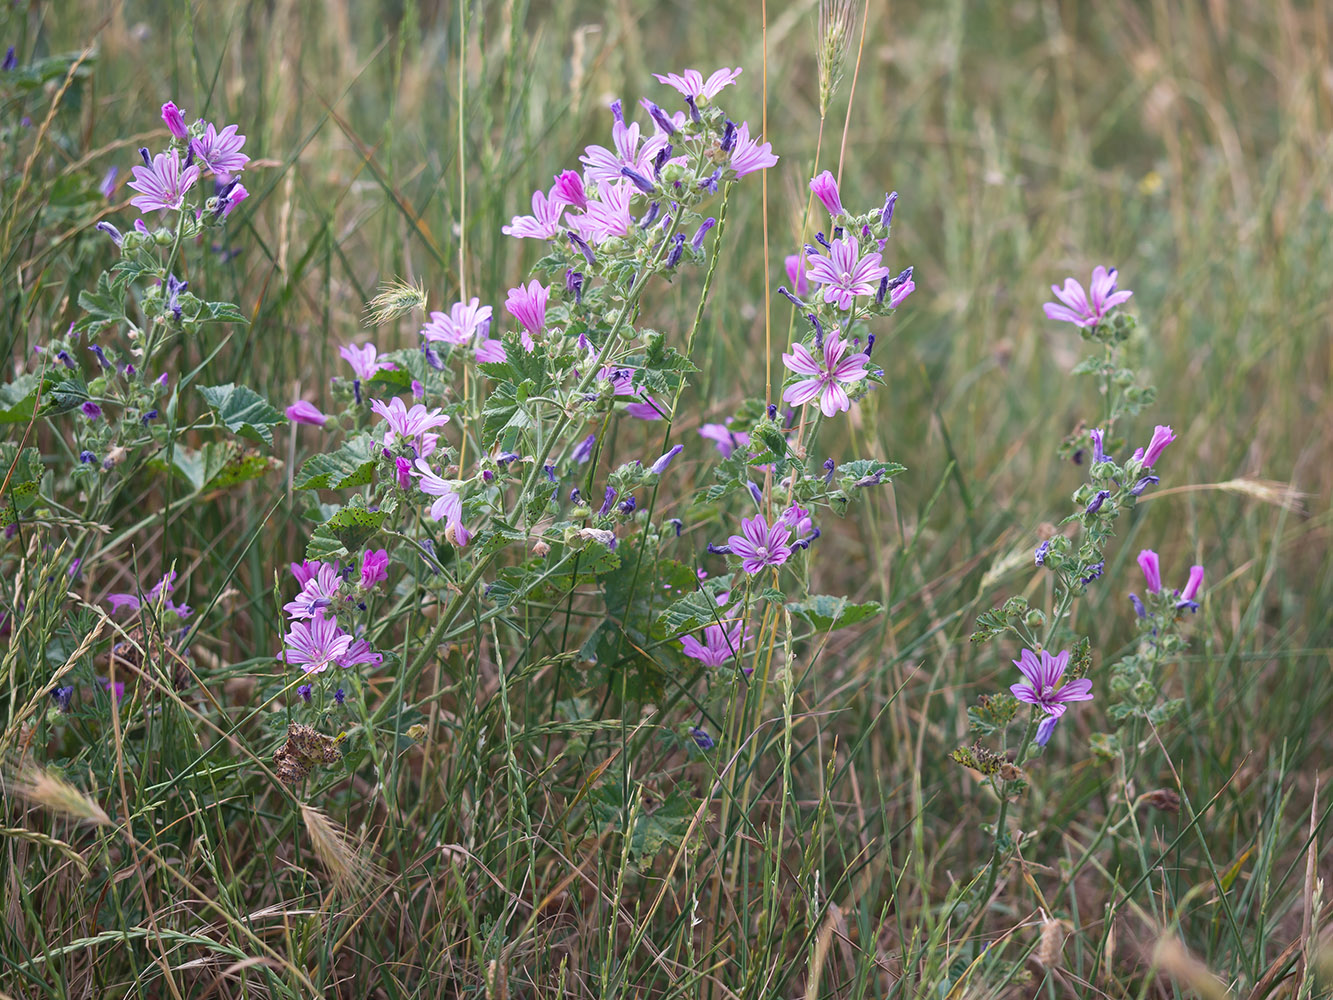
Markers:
(164, 178)
(316, 639)
(854, 285)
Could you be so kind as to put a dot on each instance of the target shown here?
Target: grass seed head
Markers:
(395, 298)
(49, 790)
(836, 21)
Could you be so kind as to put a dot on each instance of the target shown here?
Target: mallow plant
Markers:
(1056, 666)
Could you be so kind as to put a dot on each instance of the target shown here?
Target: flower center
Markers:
(846, 277)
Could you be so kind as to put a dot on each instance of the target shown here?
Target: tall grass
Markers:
(835, 852)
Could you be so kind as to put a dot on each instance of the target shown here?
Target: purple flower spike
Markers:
(759, 545)
(175, 120)
(1161, 437)
(1086, 310)
(825, 188)
(1152, 570)
(1041, 684)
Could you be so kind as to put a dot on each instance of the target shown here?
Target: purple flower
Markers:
(364, 360)
(749, 155)
(108, 185)
(411, 425)
(306, 570)
(660, 466)
(719, 645)
(528, 306)
(544, 222)
(1096, 503)
(900, 290)
(701, 738)
(795, 264)
(359, 653)
(1161, 437)
(175, 120)
(1042, 549)
(603, 165)
(1086, 310)
(340, 695)
(491, 351)
(448, 506)
(305, 691)
(162, 183)
(374, 565)
(1152, 570)
(758, 545)
(569, 189)
(1139, 609)
(317, 593)
(302, 412)
(1045, 729)
(846, 274)
(609, 215)
(824, 382)
(583, 450)
(1192, 587)
(158, 595)
(462, 324)
(1138, 488)
(220, 151)
(825, 188)
(1041, 686)
(111, 231)
(313, 645)
(692, 84)
(403, 469)
(91, 410)
(726, 440)
(1098, 446)
(233, 196)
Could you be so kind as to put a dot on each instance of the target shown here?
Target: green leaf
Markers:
(220, 312)
(60, 396)
(348, 529)
(102, 305)
(18, 398)
(867, 472)
(351, 465)
(825, 613)
(24, 470)
(243, 410)
(696, 609)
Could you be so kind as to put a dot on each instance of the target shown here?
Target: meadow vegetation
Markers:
(522, 783)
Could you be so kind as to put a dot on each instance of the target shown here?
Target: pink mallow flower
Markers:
(448, 506)
(1041, 685)
(692, 84)
(412, 424)
(374, 567)
(544, 222)
(825, 188)
(824, 382)
(161, 182)
(1086, 309)
(609, 215)
(603, 165)
(1152, 570)
(724, 438)
(758, 545)
(527, 304)
(1161, 437)
(749, 154)
(795, 265)
(317, 593)
(845, 273)
(220, 151)
(462, 323)
(720, 644)
(569, 189)
(302, 412)
(315, 644)
(175, 120)
(365, 360)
